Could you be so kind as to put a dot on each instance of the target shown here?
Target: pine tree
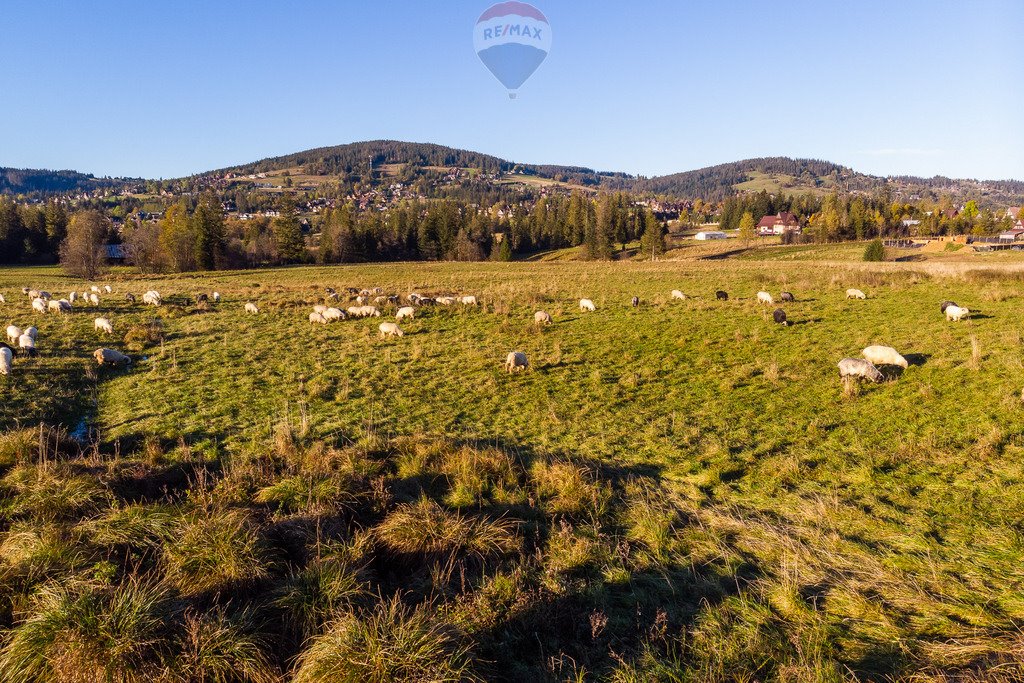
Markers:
(291, 247)
(652, 240)
(208, 220)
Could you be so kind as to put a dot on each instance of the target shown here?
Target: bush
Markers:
(393, 643)
(875, 251)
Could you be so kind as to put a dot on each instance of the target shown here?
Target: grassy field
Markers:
(680, 491)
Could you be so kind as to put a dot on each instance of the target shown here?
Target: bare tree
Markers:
(83, 252)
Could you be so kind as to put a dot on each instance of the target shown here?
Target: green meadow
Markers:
(680, 491)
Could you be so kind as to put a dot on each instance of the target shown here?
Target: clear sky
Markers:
(173, 87)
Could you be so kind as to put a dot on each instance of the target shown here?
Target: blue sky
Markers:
(170, 88)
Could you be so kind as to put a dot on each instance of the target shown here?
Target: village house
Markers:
(1013, 213)
(779, 224)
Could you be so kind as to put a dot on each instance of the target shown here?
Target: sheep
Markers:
(946, 304)
(635, 302)
(330, 290)
(28, 345)
(355, 311)
(542, 318)
(108, 289)
(516, 361)
(2, 299)
(413, 297)
(676, 294)
(320, 308)
(94, 299)
(446, 300)
(855, 294)
(884, 355)
(587, 305)
(13, 332)
(333, 296)
(380, 300)
(103, 325)
(110, 357)
(151, 298)
(251, 308)
(53, 305)
(26, 290)
(406, 312)
(95, 289)
(722, 296)
(130, 298)
(858, 368)
(393, 299)
(216, 297)
(32, 293)
(390, 330)
(765, 298)
(334, 314)
(779, 316)
(787, 296)
(72, 296)
(317, 317)
(468, 300)
(38, 305)
(956, 313)
(371, 312)
(45, 296)
(63, 306)
(360, 299)
(202, 299)
(32, 332)
(6, 360)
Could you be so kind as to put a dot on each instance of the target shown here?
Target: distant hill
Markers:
(714, 183)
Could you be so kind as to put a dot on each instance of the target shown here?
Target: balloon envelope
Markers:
(512, 39)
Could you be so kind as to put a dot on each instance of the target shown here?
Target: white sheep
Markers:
(108, 289)
(251, 308)
(334, 314)
(765, 298)
(468, 300)
(94, 299)
(103, 325)
(151, 298)
(110, 357)
(446, 300)
(95, 289)
(53, 305)
(855, 294)
(32, 293)
(587, 305)
(390, 330)
(316, 317)
(542, 318)
(216, 297)
(45, 296)
(406, 312)
(884, 355)
(72, 296)
(516, 361)
(32, 332)
(27, 344)
(320, 308)
(956, 313)
(2, 299)
(370, 311)
(858, 368)
(38, 305)
(676, 294)
(13, 332)
(6, 360)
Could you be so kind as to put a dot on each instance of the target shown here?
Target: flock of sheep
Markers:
(366, 305)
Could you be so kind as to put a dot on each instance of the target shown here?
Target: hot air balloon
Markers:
(512, 39)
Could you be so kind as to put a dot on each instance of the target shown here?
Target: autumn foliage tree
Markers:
(83, 253)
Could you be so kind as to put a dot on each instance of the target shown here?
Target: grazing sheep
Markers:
(108, 289)
(406, 312)
(414, 297)
(516, 361)
(765, 298)
(676, 294)
(334, 314)
(426, 301)
(635, 302)
(72, 296)
(151, 298)
(946, 304)
(94, 299)
(858, 368)
(320, 308)
(587, 305)
(130, 298)
(779, 316)
(45, 296)
(13, 332)
(94, 288)
(390, 330)
(722, 296)
(103, 325)
(446, 300)
(956, 313)
(38, 305)
(216, 297)
(333, 296)
(110, 357)
(787, 296)
(360, 299)
(542, 318)
(393, 299)
(32, 293)
(355, 311)
(28, 345)
(202, 299)
(251, 308)
(855, 294)
(2, 299)
(317, 317)
(468, 300)
(32, 332)
(63, 306)
(6, 360)
(371, 312)
(380, 300)
(884, 355)
(53, 305)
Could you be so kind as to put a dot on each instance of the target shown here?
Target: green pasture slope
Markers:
(693, 497)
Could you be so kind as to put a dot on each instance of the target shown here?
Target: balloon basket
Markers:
(512, 95)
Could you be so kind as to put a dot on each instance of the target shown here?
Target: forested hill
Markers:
(27, 181)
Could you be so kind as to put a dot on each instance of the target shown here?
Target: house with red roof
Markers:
(778, 224)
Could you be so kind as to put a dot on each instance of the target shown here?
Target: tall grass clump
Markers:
(392, 643)
(215, 648)
(310, 597)
(569, 489)
(212, 549)
(50, 493)
(425, 528)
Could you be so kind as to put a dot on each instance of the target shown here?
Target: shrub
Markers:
(428, 529)
(211, 549)
(393, 643)
(875, 251)
(90, 632)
